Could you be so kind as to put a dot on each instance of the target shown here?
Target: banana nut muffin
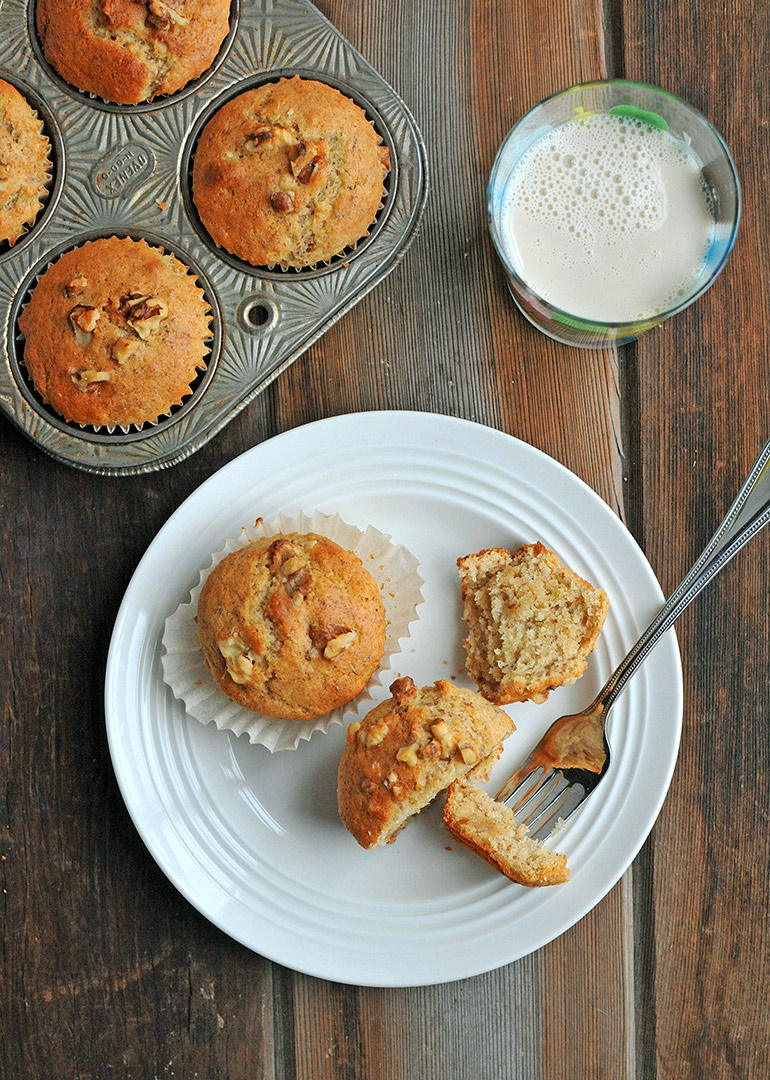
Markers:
(129, 51)
(289, 174)
(115, 332)
(291, 626)
(531, 622)
(409, 749)
(489, 829)
(25, 164)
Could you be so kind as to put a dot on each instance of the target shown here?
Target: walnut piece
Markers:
(75, 285)
(162, 15)
(306, 174)
(143, 313)
(282, 201)
(240, 668)
(239, 661)
(294, 582)
(108, 11)
(124, 348)
(339, 643)
(231, 646)
(83, 380)
(408, 754)
(294, 570)
(291, 566)
(262, 133)
(309, 158)
(85, 318)
(440, 730)
(269, 133)
(467, 752)
(374, 736)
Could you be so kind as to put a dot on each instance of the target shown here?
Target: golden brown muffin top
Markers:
(129, 51)
(115, 332)
(291, 626)
(25, 164)
(289, 174)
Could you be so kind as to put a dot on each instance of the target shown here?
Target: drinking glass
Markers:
(640, 102)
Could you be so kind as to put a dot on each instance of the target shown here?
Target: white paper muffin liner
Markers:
(393, 568)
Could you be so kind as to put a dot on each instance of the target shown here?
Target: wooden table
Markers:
(106, 970)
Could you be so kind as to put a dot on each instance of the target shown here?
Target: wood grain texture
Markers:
(703, 416)
(106, 971)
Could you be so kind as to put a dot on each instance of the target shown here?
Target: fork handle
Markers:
(747, 515)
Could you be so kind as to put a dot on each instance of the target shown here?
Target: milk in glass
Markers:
(606, 217)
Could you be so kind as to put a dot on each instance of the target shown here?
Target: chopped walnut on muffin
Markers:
(130, 51)
(115, 333)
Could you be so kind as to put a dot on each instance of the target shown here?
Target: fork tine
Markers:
(539, 802)
(569, 798)
(528, 773)
(519, 788)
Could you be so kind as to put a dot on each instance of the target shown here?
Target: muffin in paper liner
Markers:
(89, 278)
(391, 565)
(26, 166)
(289, 174)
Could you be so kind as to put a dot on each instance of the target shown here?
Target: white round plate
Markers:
(253, 840)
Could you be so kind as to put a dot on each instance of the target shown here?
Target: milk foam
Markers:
(606, 218)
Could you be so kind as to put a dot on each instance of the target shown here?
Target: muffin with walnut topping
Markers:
(129, 51)
(25, 164)
(115, 333)
(291, 626)
(289, 174)
(409, 749)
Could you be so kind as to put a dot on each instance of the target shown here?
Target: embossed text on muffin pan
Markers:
(125, 170)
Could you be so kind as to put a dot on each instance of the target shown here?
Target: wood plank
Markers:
(702, 416)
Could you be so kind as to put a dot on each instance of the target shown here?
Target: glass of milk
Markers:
(613, 205)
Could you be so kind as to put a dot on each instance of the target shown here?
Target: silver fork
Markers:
(573, 756)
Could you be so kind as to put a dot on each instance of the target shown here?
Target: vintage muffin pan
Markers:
(126, 171)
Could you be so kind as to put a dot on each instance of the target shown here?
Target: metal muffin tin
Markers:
(125, 170)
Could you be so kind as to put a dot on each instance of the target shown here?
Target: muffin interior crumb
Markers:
(531, 622)
(489, 829)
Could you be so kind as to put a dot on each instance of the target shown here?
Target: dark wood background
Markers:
(106, 970)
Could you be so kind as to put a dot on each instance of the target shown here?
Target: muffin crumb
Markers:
(489, 829)
(531, 622)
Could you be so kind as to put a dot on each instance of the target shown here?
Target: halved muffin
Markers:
(531, 622)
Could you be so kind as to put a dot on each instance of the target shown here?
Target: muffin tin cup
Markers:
(101, 433)
(52, 193)
(125, 170)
